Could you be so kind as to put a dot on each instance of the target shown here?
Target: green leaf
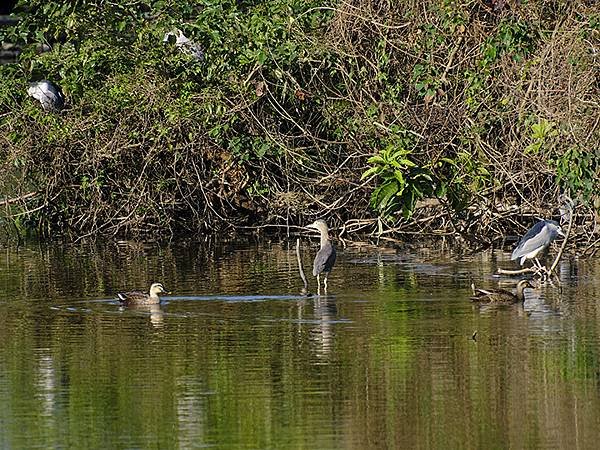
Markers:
(400, 177)
(369, 172)
(407, 163)
(383, 194)
(377, 159)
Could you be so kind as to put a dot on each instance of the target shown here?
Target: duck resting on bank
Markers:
(501, 296)
(142, 298)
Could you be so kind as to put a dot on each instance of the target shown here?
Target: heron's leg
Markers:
(545, 271)
(542, 271)
(318, 285)
(325, 282)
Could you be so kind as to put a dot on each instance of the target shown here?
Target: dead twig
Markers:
(564, 244)
(9, 201)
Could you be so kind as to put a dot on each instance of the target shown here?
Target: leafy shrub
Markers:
(294, 100)
(401, 181)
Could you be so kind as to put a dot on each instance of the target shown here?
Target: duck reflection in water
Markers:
(155, 311)
(157, 315)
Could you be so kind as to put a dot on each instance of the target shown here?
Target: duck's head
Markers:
(523, 284)
(157, 288)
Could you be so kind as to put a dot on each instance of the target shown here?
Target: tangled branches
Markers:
(466, 118)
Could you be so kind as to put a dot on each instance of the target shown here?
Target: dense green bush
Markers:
(293, 102)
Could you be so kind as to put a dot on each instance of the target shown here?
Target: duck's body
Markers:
(501, 296)
(143, 298)
(325, 258)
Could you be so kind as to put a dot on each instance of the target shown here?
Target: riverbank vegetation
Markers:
(441, 117)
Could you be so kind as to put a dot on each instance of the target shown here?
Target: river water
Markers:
(236, 358)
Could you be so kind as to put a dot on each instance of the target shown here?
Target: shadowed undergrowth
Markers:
(435, 117)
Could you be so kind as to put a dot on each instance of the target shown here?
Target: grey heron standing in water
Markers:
(48, 94)
(538, 238)
(325, 258)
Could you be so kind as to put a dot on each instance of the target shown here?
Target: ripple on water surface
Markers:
(395, 356)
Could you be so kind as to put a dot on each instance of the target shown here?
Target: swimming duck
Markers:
(142, 298)
(501, 296)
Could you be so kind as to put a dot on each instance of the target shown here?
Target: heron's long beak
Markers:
(311, 226)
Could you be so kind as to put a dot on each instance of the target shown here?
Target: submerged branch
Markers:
(516, 272)
(304, 290)
(564, 244)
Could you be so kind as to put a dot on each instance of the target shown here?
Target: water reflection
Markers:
(325, 312)
(155, 312)
(46, 381)
(236, 359)
(191, 412)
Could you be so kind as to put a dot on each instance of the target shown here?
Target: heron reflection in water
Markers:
(325, 311)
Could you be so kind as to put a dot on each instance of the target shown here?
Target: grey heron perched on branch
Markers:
(538, 238)
(48, 94)
(185, 44)
(325, 258)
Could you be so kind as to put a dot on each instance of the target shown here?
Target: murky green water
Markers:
(236, 359)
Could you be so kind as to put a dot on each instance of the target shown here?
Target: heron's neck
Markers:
(324, 237)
